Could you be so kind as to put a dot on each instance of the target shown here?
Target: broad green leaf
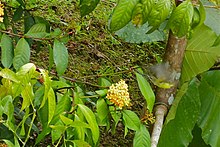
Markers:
(9, 74)
(28, 21)
(51, 104)
(47, 85)
(102, 109)
(209, 119)
(122, 14)
(104, 82)
(141, 137)
(131, 120)
(178, 131)
(76, 123)
(179, 95)
(81, 143)
(90, 118)
(21, 54)
(27, 95)
(37, 31)
(159, 13)
(7, 52)
(17, 14)
(87, 6)
(217, 41)
(146, 90)
(25, 69)
(181, 18)
(133, 34)
(60, 56)
(42, 135)
(63, 105)
(199, 54)
(212, 19)
(57, 131)
(101, 92)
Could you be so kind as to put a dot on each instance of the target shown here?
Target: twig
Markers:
(23, 36)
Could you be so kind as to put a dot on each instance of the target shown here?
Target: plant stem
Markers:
(174, 56)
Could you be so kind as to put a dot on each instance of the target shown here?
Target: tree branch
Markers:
(174, 56)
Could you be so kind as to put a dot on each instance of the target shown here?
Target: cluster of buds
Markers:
(1, 12)
(148, 118)
(118, 94)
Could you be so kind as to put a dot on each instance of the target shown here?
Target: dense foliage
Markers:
(37, 104)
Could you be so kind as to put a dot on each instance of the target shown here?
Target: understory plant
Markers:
(37, 105)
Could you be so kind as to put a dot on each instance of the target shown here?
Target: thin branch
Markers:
(23, 36)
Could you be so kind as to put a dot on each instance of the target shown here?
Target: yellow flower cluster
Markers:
(1, 12)
(118, 94)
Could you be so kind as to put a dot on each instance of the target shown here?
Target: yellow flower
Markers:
(118, 94)
(148, 118)
(1, 12)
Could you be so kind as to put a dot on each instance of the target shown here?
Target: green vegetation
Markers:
(76, 73)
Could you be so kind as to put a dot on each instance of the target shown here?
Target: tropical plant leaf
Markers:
(102, 109)
(17, 14)
(209, 119)
(27, 95)
(9, 74)
(122, 14)
(211, 19)
(37, 31)
(181, 18)
(187, 114)
(87, 6)
(90, 118)
(7, 51)
(159, 13)
(141, 137)
(81, 143)
(51, 104)
(133, 34)
(146, 90)
(76, 123)
(60, 56)
(131, 120)
(199, 54)
(21, 54)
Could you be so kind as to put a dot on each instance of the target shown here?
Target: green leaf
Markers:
(90, 118)
(76, 123)
(122, 14)
(21, 54)
(217, 42)
(159, 13)
(102, 109)
(131, 120)
(47, 84)
(211, 19)
(63, 105)
(7, 51)
(27, 95)
(37, 31)
(181, 18)
(81, 143)
(60, 56)
(57, 131)
(209, 119)
(199, 54)
(101, 92)
(17, 14)
(51, 104)
(28, 21)
(87, 6)
(8, 74)
(133, 34)
(146, 90)
(104, 82)
(179, 129)
(141, 137)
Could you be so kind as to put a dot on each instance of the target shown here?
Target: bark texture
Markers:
(164, 97)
